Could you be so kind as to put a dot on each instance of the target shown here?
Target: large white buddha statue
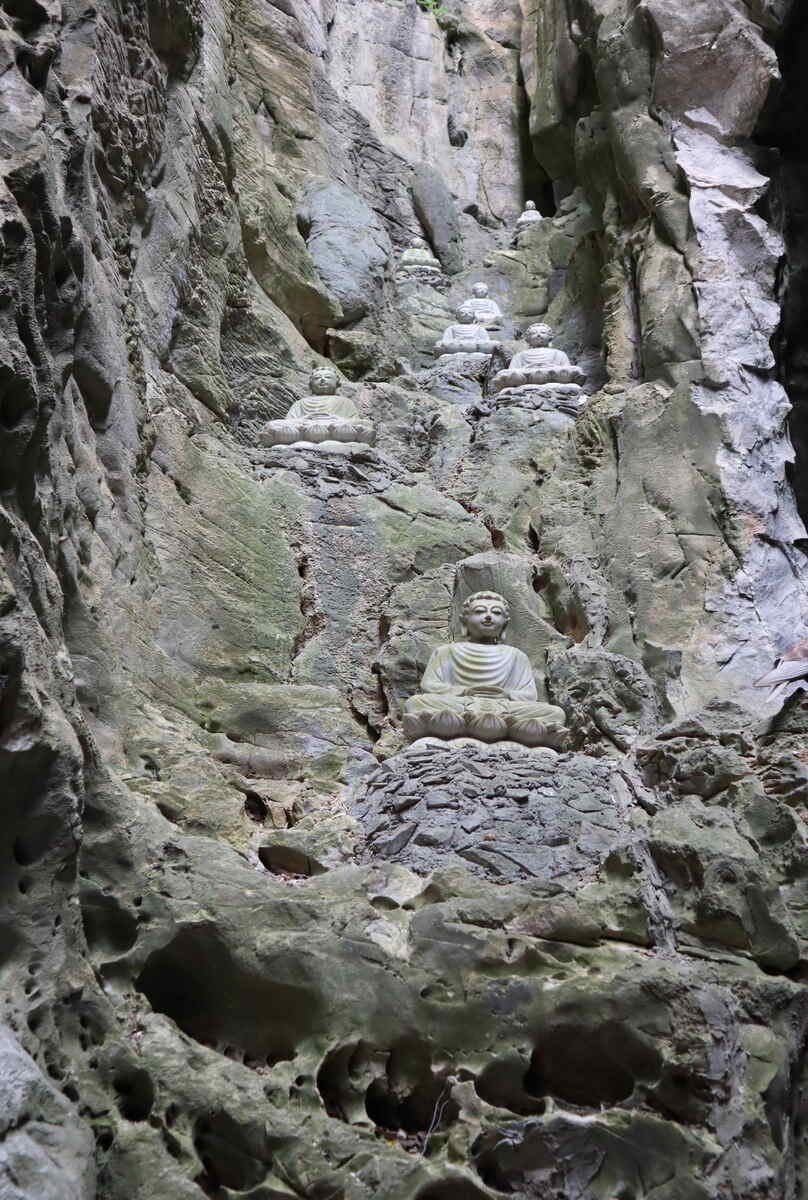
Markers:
(482, 688)
(539, 364)
(418, 261)
(465, 336)
(322, 416)
(484, 310)
(529, 217)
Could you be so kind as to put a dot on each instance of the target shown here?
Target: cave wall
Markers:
(209, 966)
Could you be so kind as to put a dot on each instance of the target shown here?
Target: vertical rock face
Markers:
(247, 943)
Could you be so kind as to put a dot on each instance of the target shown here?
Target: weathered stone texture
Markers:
(247, 943)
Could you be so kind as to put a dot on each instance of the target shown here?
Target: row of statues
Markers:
(477, 687)
(419, 265)
(326, 416)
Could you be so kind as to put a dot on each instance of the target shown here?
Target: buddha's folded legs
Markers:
(536, 724)
(440, 715)
(487, 718)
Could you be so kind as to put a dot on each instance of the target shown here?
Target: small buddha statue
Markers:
(540, 364)
(482, 688)
(465, 336)
(484, 310)
(418, 260)
(322, 416)
(529, 217)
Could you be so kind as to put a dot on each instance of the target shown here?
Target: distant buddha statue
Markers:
(529, 217)
(322, 416)
(484, 310)
(540, 364)
(418, 261)
(482, 688)
(465, 336)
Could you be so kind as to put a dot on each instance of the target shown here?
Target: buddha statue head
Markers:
(485, 616)
(538, 336)
(465, 316)
(530, 206)
(480, 291)
(324, 381)
(418, 243)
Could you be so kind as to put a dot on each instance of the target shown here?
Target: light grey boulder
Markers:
(46, 1150)
(347, 242)
(437, 212)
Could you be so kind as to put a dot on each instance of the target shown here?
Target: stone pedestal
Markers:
(564, 398)
(502, 811)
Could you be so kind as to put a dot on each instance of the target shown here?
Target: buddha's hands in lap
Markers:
(492, 692)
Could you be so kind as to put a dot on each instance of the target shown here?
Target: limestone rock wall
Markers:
(243, 942)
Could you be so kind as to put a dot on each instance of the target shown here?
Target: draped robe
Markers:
(443, 709)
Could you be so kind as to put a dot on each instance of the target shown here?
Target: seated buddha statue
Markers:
(484, 310)
(529, 217)
(322, 416)
(418, 260)
(538, 365)
(465, 336)
(482, 688)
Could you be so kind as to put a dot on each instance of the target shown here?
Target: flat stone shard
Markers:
(482, 688)
(322, 418)
(505, 812)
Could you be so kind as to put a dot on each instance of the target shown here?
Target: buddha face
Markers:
(485, 615)
(530, 206)
(480, 291)
(538, 335)
(464, 316)
(417, 243)
(324, 381)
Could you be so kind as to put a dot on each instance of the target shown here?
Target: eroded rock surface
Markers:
(249, 944)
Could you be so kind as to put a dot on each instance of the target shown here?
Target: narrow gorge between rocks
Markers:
(275, 921)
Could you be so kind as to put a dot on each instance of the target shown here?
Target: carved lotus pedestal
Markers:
(310, 434)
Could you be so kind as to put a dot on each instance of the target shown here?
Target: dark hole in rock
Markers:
(135, 1093)
(218, 1000)
(27, 13)
(507, 1082)
(395, 1089)
(104, 1139)
(108, 927)
(592, 1065)
(38, 836)
(256, 808)
(10, 940)
(17, 397)
(288, 859)
(233, 1156)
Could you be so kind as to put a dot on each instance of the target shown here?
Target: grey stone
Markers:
(437, 212)
(46, 1150)
(348, 244)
